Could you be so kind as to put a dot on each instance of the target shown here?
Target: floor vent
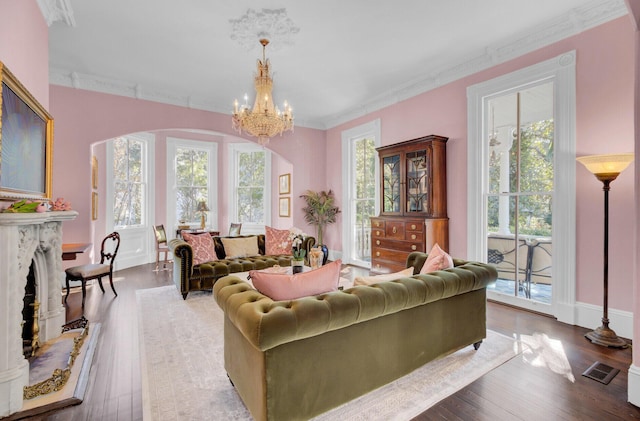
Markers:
(601, 372)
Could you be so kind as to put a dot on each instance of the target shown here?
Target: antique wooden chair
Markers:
(84, 273)
(161, 247)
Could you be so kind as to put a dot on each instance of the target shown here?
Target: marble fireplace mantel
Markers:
(26, 238)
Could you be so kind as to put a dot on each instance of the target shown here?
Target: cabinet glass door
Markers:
(391, 184)
(417, 193)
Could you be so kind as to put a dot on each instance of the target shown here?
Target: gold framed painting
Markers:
(26, 141)
(285, 207)
(94, 206)
(94, 172)
(284, 187)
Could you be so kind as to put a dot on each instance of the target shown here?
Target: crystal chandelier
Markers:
(265, 120)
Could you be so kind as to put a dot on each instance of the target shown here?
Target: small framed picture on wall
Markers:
(94, 206)
(285, 184)
(285, 207)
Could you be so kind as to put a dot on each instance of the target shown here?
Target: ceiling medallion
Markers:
(273, 24)
(265, 120)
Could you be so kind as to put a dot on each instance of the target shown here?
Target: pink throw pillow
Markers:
(438, 259)
(277, 241)
(202, 245)
(280, 287)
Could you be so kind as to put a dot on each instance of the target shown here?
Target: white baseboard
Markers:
(634, 385)
(590, 316)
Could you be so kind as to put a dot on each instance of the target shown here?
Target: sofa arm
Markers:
(182, 264)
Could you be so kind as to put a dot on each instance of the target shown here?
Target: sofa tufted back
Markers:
(266, 323)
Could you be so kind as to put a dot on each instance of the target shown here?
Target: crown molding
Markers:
(576, 21)
(57, 10)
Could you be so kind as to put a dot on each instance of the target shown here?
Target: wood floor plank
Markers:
(521, 389)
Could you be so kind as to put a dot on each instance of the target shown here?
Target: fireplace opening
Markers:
(28, 313)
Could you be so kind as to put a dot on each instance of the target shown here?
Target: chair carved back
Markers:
(106, 255)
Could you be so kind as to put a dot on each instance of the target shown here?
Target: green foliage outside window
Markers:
(250, 187)
(192, 178)
(129, 186)
(536, 181)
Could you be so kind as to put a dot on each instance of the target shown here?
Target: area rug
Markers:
(183, 375)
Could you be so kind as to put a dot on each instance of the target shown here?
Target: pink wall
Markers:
(604, 124)
(24, 46)
(604, 74)
(83, 118)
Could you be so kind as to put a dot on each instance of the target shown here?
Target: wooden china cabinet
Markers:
(413, 208)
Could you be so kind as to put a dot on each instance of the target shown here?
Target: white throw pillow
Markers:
(370, 280)
(240, 247)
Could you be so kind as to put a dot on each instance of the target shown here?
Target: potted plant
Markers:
(319, 212)
(296, 237)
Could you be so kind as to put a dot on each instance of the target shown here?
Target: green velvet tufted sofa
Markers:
(292, 360)
(189, 277)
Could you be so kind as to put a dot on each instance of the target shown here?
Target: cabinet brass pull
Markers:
(378, 266)
(377, 224)
(413, 236)
(413, 247)
(413, 226)
(377, 254)
(395, 230)
(377, 232)
(377, 242)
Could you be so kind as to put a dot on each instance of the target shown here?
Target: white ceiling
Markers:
(347, 58)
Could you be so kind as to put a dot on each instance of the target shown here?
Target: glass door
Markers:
(391, 184)
(519, 197)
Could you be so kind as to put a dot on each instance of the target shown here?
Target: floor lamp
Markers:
(606, 168)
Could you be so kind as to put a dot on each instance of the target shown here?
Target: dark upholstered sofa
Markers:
(292, 360)
(189, 277)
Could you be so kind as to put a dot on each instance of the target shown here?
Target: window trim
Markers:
(372, 129)
(148, 171)
(562, 70)
(234, 149)
(173, 143)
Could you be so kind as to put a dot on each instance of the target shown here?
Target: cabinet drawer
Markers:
(414, 225)
(377, 223)
(397, 256)
(415, 236)
(384, 266)
(377, 233)
(394, 229)
(408, 246)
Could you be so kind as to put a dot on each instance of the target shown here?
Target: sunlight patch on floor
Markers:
(538, 350)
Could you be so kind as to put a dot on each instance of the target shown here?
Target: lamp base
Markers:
(606, 337)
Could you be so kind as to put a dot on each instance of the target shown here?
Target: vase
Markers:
(296, 266)
(315, 257)
(325, 250)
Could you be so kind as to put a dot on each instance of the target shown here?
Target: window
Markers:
(129, 181)
(192, 187)
(191, 179)
(521, 181)
(360, 196)
(250, 193)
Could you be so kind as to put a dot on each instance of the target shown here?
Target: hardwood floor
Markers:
(532, 386)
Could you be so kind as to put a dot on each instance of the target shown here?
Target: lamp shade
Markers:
(202, 207)
(606, 164)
